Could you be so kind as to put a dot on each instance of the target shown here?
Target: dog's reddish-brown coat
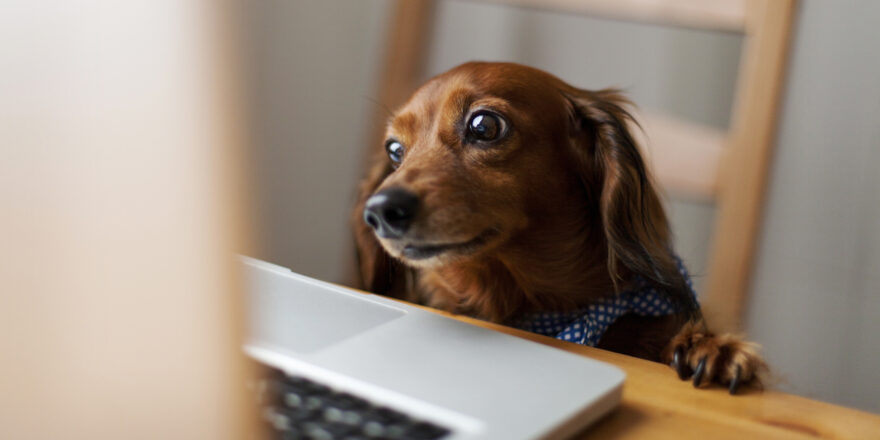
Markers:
(569, 208)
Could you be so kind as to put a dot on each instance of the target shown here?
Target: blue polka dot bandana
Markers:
(587, 324)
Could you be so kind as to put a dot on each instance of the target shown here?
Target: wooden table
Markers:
(657, 405)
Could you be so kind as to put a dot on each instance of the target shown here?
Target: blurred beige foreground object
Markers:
(118, 221)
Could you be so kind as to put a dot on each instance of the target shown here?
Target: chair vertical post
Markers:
(743, 172)
(405, 51)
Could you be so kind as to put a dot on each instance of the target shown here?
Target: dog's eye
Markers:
(486, 126)
(395, 151)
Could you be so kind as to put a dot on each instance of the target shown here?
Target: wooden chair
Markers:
(729, 168)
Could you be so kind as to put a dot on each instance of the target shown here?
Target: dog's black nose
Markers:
(391, 211)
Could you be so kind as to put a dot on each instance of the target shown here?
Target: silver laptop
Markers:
(353, 365)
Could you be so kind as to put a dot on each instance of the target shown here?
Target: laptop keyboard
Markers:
(299, 408)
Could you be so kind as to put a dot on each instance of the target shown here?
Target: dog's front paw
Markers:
(723, 359)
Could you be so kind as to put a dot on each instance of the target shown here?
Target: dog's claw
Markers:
(698, 373)
(679, 363)
(734, 383)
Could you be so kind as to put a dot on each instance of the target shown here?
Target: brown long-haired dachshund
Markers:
(506, 194)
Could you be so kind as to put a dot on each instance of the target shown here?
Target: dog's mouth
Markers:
(424, 251)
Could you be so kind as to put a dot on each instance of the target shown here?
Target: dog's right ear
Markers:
(377, 271)
(633, 219)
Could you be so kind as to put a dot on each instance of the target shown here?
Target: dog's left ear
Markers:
(612, 170)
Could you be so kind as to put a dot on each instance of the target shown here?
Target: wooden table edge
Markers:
(656, 404)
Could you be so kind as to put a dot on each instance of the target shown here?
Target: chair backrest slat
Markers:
(721, 15)
(684, 156)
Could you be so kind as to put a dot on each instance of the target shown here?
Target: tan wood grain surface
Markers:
(657, 405)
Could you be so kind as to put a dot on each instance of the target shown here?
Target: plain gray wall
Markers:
(816, 294)
(313, 71)
(815, 303)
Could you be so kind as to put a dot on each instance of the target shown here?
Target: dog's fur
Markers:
(558, 212)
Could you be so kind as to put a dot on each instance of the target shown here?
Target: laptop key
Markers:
(384, 416)
(299, 415)
(293, 399)
(314, 403)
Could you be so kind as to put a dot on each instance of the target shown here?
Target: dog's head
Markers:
(482, 153)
